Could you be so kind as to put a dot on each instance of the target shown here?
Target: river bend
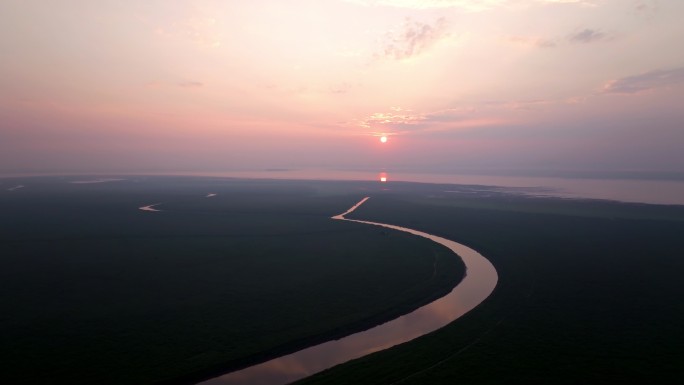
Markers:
(476, 286)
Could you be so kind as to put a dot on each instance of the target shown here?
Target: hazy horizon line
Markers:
(541, 173)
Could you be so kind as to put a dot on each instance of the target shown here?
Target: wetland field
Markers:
(174, 280)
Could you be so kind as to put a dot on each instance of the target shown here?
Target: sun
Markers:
(383, 139)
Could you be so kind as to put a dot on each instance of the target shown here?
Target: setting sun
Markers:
(383, 139)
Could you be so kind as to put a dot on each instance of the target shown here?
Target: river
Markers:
(476, 286)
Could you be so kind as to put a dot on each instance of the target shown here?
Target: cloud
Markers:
(586, 35)
(340, 88)
(580, 2)
(645, 82)
(646, 9)
(469, 5)
(533, 41)
(182, 84)
(395, 119)
(203, 31)
(190, 84)
(412, 39)
(399, 121)
(646, 6)
(465, 5)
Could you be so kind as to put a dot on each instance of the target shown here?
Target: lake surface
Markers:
(654, 191)
(625, 190)
(479, 282)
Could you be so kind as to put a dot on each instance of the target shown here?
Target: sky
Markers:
(192, 86)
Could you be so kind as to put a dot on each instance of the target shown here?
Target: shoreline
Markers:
(645, 191)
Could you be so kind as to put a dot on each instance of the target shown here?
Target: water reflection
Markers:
(478, 284)
(98, 180)
(149, 207)
(633, 190)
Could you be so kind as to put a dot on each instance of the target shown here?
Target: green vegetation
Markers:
(589, 292)
(95, 291)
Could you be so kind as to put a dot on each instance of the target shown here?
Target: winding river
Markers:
(476, 286)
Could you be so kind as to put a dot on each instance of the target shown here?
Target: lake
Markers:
(626, 190)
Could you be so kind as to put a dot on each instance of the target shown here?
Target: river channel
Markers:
(476, 286)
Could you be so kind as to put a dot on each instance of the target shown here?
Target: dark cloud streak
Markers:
(587, 35)
(413, 39)
(645, 82)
